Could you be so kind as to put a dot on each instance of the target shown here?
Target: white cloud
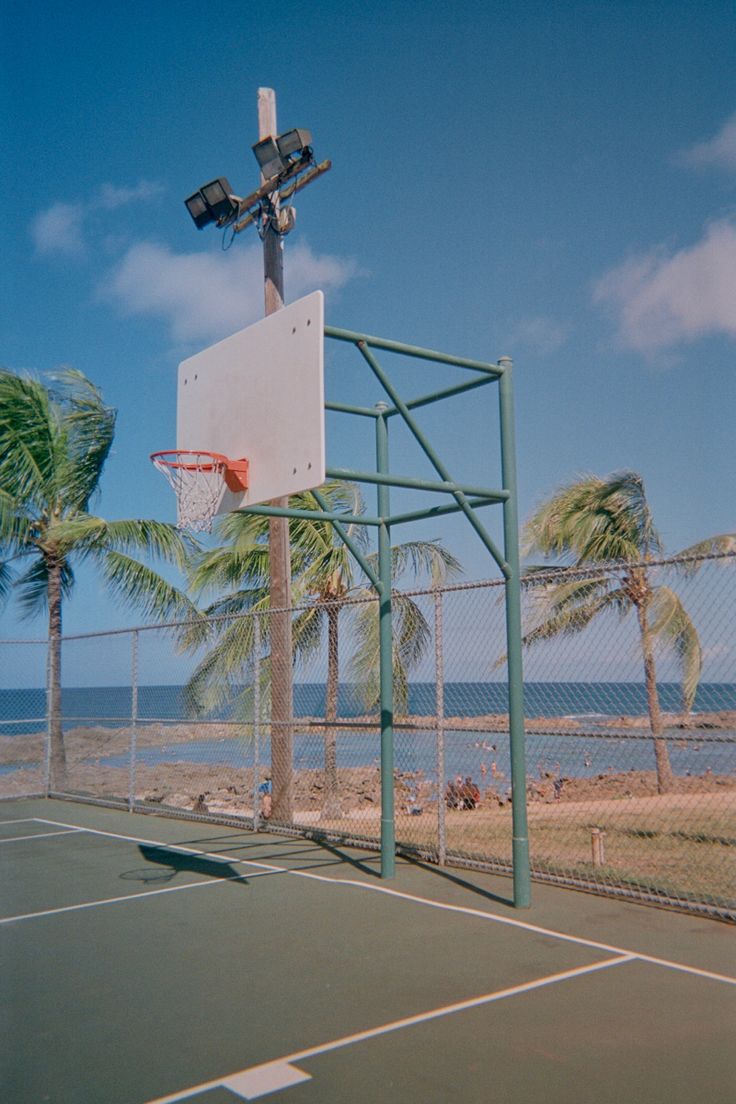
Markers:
(206, 296)
(719, 150)
(110, 197)
(537, 334)
(663, 299)
(59, 229)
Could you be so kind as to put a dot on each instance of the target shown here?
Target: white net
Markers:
(197, 481)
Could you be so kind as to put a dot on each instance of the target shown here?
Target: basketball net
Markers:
(198, 481)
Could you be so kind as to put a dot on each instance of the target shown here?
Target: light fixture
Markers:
(294, 141)
(197, 208)
(214, 202)
(274, 155)
(283, 159)
(269, 158)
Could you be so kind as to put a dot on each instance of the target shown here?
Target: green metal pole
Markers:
(522, 879)
(388, 832)
(431, 455)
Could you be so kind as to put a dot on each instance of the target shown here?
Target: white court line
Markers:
(40, 835)
(395, 1025)
(462, 909)
(20, 820)
(129, 897)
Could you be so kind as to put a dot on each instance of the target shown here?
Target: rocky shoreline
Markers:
(99, 742)
(224, 790)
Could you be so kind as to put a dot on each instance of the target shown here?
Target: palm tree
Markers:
(604, 521)
(324, 579)
(54, 441)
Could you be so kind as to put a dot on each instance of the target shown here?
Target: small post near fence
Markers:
(47, 748)
(133, 718)
(439, 680)
(256, 715)
(597, 846)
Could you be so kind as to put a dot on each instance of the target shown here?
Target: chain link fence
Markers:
(631, 788)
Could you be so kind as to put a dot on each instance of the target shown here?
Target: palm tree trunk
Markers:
(665, 777)
(56, 733)
(331, 805)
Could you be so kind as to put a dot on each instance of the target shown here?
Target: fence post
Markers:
(47, 750)
(256, 715)
(134, 718)
(439, 681)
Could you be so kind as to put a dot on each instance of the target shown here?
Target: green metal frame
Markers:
(466, 499)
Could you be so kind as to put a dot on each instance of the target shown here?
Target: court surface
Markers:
(152, 960)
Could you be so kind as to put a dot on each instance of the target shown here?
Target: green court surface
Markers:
(150, 960)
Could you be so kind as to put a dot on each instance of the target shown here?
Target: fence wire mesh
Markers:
(631, 787)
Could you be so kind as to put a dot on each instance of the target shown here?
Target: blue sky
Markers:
(551, 181)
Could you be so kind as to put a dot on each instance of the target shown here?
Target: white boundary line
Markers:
(20, 820)
(40, 835)
(126, 897)
(396, 1025)
(367, 886)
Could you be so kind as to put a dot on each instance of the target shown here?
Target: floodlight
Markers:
(198, 210)
(269, 158)
(293, 141)
(219, 199)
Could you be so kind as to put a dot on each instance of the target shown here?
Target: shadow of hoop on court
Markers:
(165, 863)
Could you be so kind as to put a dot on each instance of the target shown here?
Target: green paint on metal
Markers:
(447, 393)
(439, 511)
(312, 515)
(388, 830)
(346, 408)
(431, 455)
(447, 486)
(520, 847)
(348, 541)
(466, 500)
(495, 371)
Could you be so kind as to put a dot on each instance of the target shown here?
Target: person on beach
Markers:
(265, 790)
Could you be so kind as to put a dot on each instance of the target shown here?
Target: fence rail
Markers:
(178, 735)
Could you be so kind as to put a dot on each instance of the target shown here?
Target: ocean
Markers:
(466, 752)
(589, 700)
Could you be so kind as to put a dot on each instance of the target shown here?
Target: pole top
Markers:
(504, 360)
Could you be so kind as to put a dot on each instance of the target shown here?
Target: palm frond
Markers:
(306, 629)
(32, 586)
(7, 579)
(411, 630)
(153, 538)
(412, 636)
(229, 566)
(87, 429)
(27, 439)
(17, 531)
(364, 663)
(594, 520)
(140, 586)
(424, 558)
(219, 676)
(712, 546)
(568, 619)
(671, 623)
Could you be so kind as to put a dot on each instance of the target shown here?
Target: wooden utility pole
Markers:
(282, 711)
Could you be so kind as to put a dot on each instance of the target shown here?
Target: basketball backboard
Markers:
(259, 394)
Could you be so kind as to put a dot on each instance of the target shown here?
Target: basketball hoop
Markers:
(197, 479)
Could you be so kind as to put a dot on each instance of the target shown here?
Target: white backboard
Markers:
(260, 395)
